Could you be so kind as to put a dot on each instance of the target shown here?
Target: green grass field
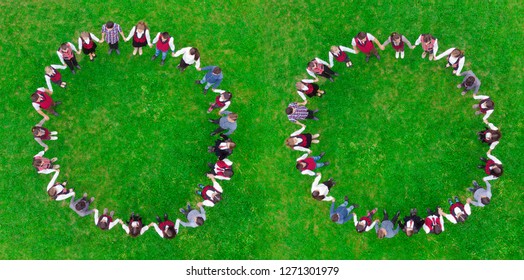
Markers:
(134, 134)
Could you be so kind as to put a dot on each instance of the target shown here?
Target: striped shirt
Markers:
(111, 35)
(300, 113)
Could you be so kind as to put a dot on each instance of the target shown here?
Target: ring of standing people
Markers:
(44, 103)
(433, 223)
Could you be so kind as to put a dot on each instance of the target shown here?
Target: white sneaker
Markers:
(396, 55)
(402, 55)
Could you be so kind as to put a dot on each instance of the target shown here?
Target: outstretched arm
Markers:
(53, 180)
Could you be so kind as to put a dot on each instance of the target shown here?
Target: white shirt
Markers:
(126, 228)
(187, 57)
(87, 40)
(426, 228)
(48, 79)
(111, 225)
(209, 193)
(139, 34)
(161, 233)
(489, 112)
(368, 228)
(305, 171)
(321, 188)
(494, 144)
(301, 94)
(226, 104)
(59, 53)
(299, 148)
(171, 44)
(452, 60)
(467, 209)
(318, 60)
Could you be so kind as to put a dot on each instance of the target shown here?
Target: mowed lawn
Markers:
(134, 134)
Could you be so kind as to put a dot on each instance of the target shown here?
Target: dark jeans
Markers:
(71, 63)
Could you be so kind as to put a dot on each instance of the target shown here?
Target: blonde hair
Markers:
(457, 53)
(142, 25)
(84, 34)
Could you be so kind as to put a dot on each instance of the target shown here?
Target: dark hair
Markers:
(233, 116)
(361, 35)
(334, 218)
(360, 228)
(199, 221)
(469, 81)
(228, 173)
(427, 38)
(437, 229)
(63, 46)
(37, 162)
(52, 193)
(495, 135)
(462, 218)
(497, 170)
(35, 96)
(165, 35)
(395, 36)
(217, 70)
(134, 231)
(217, 197)
(289, 110)
(457, 52)
(110, 24)
(489, 103)
(316, 195)
(80, 205)
(485, 200)
(170, 232)
(299, 165)
(311, 64)
(103, 225)
(195, 52)
(227, 95)
(35, 129)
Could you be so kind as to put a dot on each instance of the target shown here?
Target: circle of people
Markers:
(411, 224)
(43, 102)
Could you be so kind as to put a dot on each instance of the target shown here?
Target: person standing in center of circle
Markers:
(363, 42)
(213, 77)
(110, 32)
(141, 37)
(164, 42)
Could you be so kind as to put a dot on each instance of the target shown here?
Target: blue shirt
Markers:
(212, 78)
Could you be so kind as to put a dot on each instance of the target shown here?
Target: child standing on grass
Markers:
(340, 54)
(434, 222)
(470, 82)
(110, 32)
(86, 44)
(213, 78)
(81, 206)
(490, 135)
(306, 165)
(166, 229)
(222, 101)
(493, 167)
(412, 223)
(386, 226)
(42, 100)
(309, 88)
(141, 37)
(67, 56)
(319, 67)
(397, 42)
(340, 215)
(164, 42)
(195, 218)
(58, 191)
(320, 191)
(211, 194)
(298, 111)
(53, 76)
(302, 142)
(363, 42)
(481, 196)
(364, 223)
(41, 133)
(134, 226)
(485, 106)
(44, 165)
(190, 56)
(228, 122)
(223, 147)
(458, 212)
(222, 169)
(105, 222)
(456, 59)
(429, 45)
